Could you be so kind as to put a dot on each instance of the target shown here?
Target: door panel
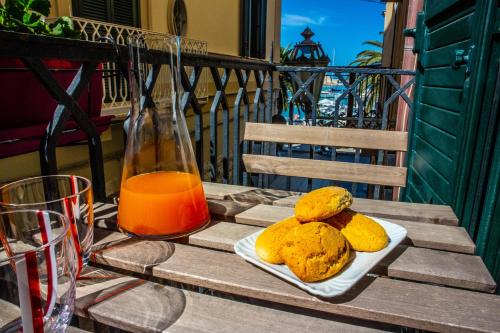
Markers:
(455, 31)
(446, 98)
(445, 119)
(446, 77)
(446, 33)
(434, 8)
(442, 57)
(442, 163)
(454, 150)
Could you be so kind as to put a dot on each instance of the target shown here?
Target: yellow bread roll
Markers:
(314, 251)
(322, 203)
(362, 233)
(268, 244)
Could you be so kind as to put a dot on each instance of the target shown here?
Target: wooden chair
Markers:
(321, 169)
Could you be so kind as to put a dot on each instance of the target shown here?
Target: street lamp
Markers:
(308, 54)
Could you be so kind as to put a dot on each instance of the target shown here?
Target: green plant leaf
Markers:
(63, 27)
(27, 16)
(39, 6)
(30, 18)
(14, 9)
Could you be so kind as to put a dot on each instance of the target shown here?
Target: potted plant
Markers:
(24, 119)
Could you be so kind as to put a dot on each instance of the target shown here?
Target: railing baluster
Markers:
(225, 127)
(288, 182)
(304, 89)
(258, 113)
(68, 107)
(399, 92)
(336, 118)
(242, 78)
(219, 98)
(268, 119)
(246, 115)
(189, 98)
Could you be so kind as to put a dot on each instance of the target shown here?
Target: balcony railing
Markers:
(258, 104)
(350, 97)
(115, 97)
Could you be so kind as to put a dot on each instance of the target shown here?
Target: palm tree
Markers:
(285, 82)
(370, 89)
(369, 57)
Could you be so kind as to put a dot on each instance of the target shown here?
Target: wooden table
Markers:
(432, 282)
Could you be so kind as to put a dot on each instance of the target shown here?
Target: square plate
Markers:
(362, 263)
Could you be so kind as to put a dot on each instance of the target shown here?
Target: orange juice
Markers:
(162, 204)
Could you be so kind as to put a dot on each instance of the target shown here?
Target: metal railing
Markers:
(355, 97)
(227, 168)
(257, 103)
(115, 89)
(351, 96)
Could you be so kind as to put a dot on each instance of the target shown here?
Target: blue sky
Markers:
(339, 24)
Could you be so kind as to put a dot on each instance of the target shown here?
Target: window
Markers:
(125, 12)
(254, 28)
(177, 18)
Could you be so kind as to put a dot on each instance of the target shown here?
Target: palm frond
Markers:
(374, 43)
(369, 54)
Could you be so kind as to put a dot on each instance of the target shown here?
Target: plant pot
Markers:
(27, 107)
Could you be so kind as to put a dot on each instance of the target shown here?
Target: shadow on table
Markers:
(127, 301)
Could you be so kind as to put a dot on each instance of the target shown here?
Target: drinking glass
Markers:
(69, 195)
(161, 194)
(37, 271)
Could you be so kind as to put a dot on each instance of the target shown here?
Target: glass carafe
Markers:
(161, 194)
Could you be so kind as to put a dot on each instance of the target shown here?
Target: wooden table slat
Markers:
(381, 299)
(439, 214)
(416, 264)
(137, 305)
(72, 329)
(439, 267)
(223, 191)
(227, 272)
(440, 237)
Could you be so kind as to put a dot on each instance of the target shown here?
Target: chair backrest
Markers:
(327, 136)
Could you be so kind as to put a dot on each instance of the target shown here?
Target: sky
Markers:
(340, 24)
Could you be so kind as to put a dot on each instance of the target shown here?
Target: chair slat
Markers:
(350, 172)
(327, 136)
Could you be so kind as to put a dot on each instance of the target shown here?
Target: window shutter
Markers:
(253, 30)
(92, 9)
(246, 28)
(260, 44)
(125, 12)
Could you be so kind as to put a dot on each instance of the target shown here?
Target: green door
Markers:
(454, 146)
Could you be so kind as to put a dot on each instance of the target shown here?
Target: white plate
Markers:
(340, 283)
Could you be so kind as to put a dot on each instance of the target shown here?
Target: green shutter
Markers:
(454, 147)
(440, 102)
